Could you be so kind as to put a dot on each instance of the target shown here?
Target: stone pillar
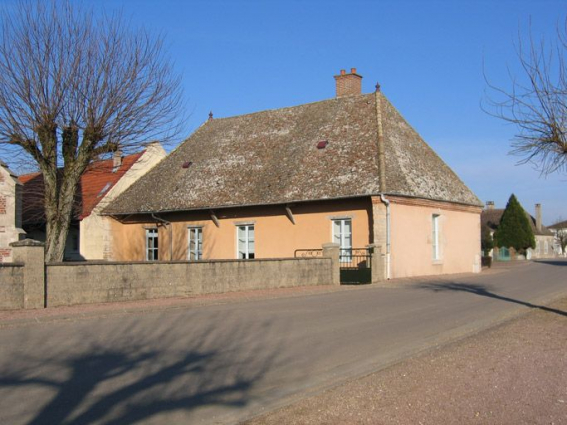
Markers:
(377, 263)
(32, 254)
(380, 234)
(331, 250)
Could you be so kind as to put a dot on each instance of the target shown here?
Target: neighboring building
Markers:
(559, 230)
(89, 235)
(544, 238)
(348, 170)
(10, 212)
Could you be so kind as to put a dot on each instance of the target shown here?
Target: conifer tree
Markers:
(514, 230)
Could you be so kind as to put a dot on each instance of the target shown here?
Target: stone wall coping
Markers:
(150, 263)
(27, 242)
(11, 265)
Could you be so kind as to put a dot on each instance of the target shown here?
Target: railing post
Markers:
(31, 253)
(331, 250)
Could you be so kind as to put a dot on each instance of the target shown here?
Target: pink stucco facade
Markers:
(418, 250)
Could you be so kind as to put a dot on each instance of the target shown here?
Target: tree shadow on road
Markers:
(558, 262)
(133, 384)
(484, 291)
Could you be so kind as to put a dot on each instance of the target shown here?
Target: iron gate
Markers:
(355, 263)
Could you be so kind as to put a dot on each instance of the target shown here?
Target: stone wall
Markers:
(11, 286)
(30, 283)
(101, 282)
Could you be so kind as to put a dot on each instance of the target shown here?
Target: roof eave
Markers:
(219, 207)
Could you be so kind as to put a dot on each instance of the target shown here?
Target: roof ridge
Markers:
(285, 107)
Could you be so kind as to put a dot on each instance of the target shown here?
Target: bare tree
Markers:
(75, 85)
(560, 230)
(536, 102)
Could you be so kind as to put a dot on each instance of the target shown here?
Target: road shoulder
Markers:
(513, 373)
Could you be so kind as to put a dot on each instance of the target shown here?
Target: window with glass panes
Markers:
(435, 236)
(245, 234)
(342, 234)
(195, 247)
(152, 244)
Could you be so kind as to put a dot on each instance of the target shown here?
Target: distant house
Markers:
(10, 212)
(543, 236)
(89, 236)
(348, 170)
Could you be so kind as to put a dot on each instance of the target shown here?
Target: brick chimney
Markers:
(538, 217)
(348, 84)
(489, 205)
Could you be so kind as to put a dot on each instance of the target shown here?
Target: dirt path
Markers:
(515, 373)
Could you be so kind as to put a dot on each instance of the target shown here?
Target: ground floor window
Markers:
(435, 236)
(152, 244)
(342, 234)
(195, 248)
(245, 235)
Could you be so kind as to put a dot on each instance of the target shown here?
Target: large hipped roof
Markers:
(272, 157)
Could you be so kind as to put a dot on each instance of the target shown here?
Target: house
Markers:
(559, 230)
(348, 170)
(544, 238)
(10, 212)
(89, 234)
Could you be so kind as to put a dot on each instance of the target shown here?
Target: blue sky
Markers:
(237, 57)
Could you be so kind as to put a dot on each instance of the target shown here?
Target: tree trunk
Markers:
(59, 200)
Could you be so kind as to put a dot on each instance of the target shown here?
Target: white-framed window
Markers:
(435, 236)
(195, 243)
(342, 234)
(245, 241)
(152, 246)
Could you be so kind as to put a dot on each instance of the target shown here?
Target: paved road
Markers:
(224, 363)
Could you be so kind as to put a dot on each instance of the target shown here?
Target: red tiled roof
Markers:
(96, 182)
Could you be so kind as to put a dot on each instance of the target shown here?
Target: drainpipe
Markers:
(387, 203)
(166, 223)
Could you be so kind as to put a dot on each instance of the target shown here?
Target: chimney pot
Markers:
(343, 72)
(489, 205)
(116, 160)
(353, 70)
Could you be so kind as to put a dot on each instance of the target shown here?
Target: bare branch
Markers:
(536, 103)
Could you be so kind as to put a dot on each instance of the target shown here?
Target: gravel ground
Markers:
(515, 373)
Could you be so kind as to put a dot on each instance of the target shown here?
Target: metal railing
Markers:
(308, 253)
(355, 258)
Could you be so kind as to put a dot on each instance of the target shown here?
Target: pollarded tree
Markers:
(514, 230)
(75, 85)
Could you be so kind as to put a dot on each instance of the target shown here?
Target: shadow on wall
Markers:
(126, 382)
(484, 291)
